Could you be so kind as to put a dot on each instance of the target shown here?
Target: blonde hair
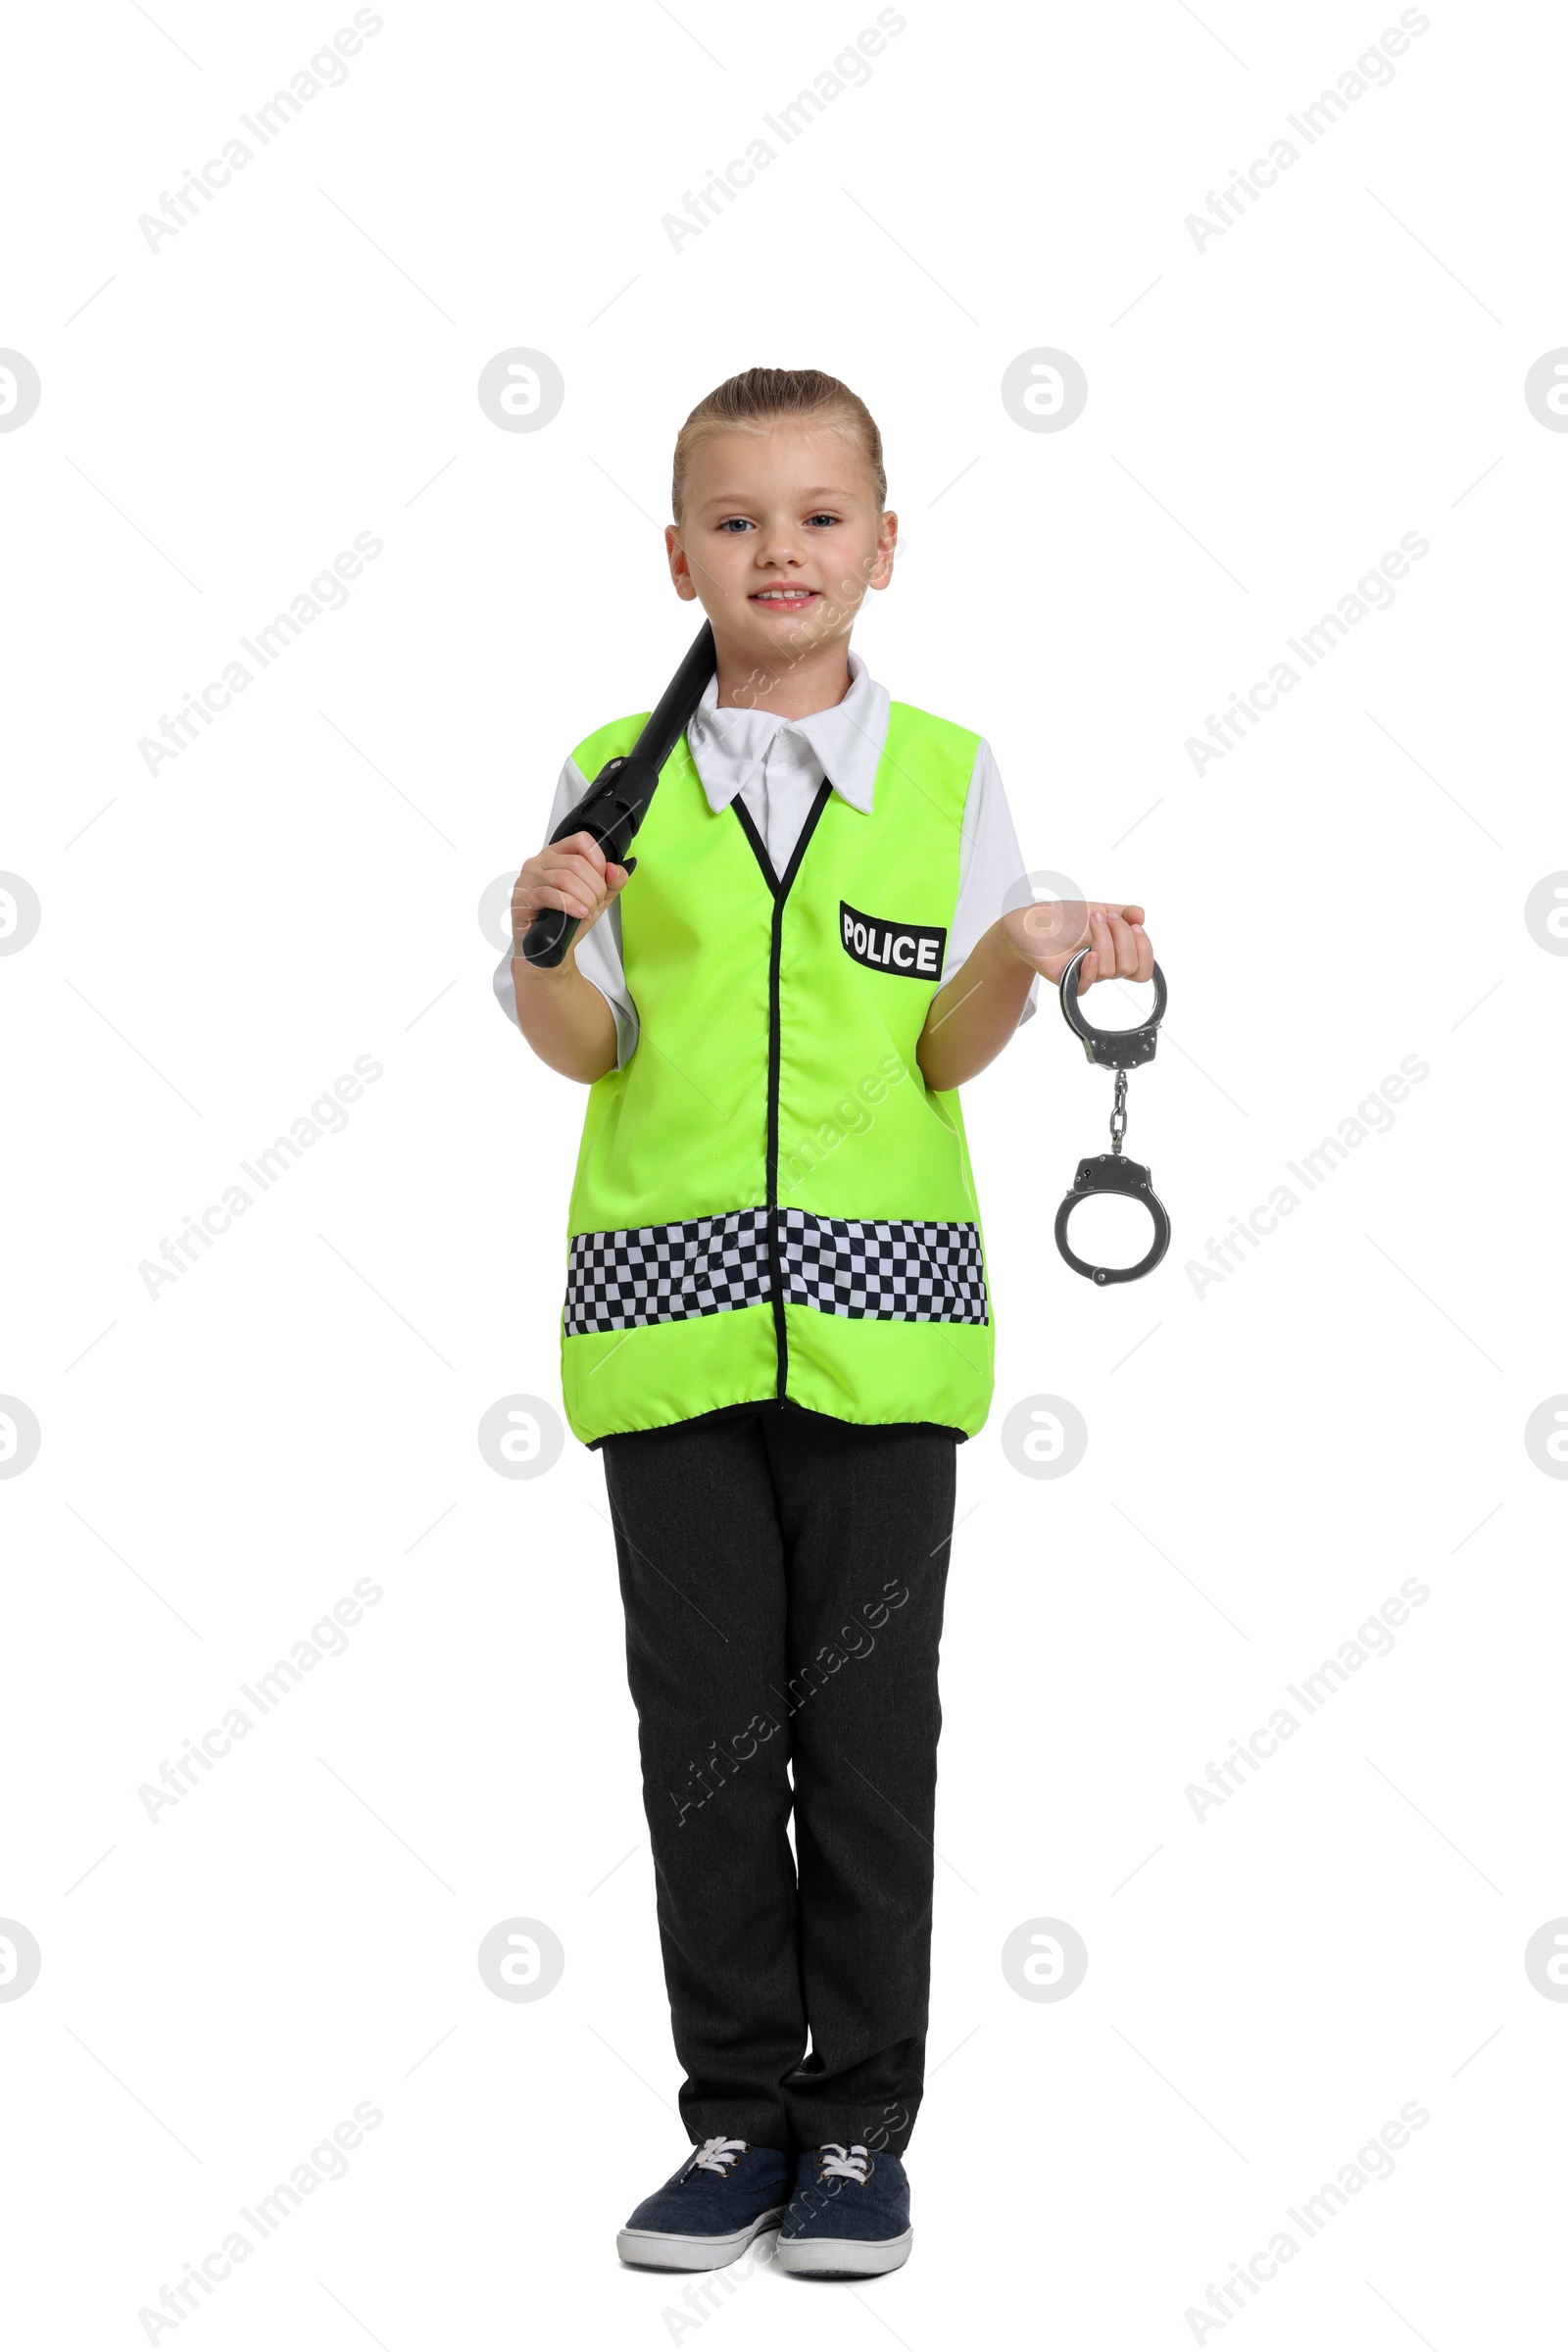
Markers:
(758, 396)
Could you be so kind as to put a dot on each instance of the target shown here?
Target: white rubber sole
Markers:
(842, 2257)
(663, 2250)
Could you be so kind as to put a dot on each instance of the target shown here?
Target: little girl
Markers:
(777, 1326)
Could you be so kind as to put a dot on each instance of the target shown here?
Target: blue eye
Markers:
(739, 522)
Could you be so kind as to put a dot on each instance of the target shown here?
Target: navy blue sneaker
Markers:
(849, 2217)
(708, 2213)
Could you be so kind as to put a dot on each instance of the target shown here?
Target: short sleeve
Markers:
(598, 951)
(991, 869)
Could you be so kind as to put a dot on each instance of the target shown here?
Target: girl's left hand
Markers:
(1049, 934)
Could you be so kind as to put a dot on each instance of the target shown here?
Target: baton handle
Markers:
(616, 801)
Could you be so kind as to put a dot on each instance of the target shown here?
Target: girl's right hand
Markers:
(573, 875)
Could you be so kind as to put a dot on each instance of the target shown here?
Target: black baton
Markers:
(616, 801)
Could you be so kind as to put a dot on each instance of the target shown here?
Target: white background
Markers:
(300, 886)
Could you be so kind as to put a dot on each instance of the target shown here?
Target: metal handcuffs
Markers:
(1118, 1049)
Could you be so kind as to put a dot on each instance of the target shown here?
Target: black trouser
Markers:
(783, 1576)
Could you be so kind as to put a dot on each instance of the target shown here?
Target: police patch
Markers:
(913, 949)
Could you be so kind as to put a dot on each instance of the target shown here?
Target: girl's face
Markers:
(782, 538)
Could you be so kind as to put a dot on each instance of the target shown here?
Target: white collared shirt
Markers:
(777, 766)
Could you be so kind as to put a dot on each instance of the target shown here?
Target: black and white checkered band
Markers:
(887, 1272)
(892, 1272)
(665, 1273)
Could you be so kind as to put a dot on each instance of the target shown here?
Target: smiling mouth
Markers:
(786, 599)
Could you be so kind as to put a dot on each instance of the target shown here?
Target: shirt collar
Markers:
(845, 741)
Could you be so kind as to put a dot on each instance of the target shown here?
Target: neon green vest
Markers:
(770, 1205)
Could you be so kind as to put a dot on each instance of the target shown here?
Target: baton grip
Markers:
(609, 813)
(553, 929)
(548, 937)
(617, 802)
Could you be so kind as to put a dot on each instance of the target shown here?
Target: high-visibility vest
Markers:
(771, 1206)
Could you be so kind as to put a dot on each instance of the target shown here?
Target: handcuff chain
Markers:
(1118, 1114)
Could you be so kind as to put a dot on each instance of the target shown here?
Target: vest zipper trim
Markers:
(782, 891)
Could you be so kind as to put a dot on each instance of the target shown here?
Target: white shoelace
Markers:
(837, 2162)
(716, 2156)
